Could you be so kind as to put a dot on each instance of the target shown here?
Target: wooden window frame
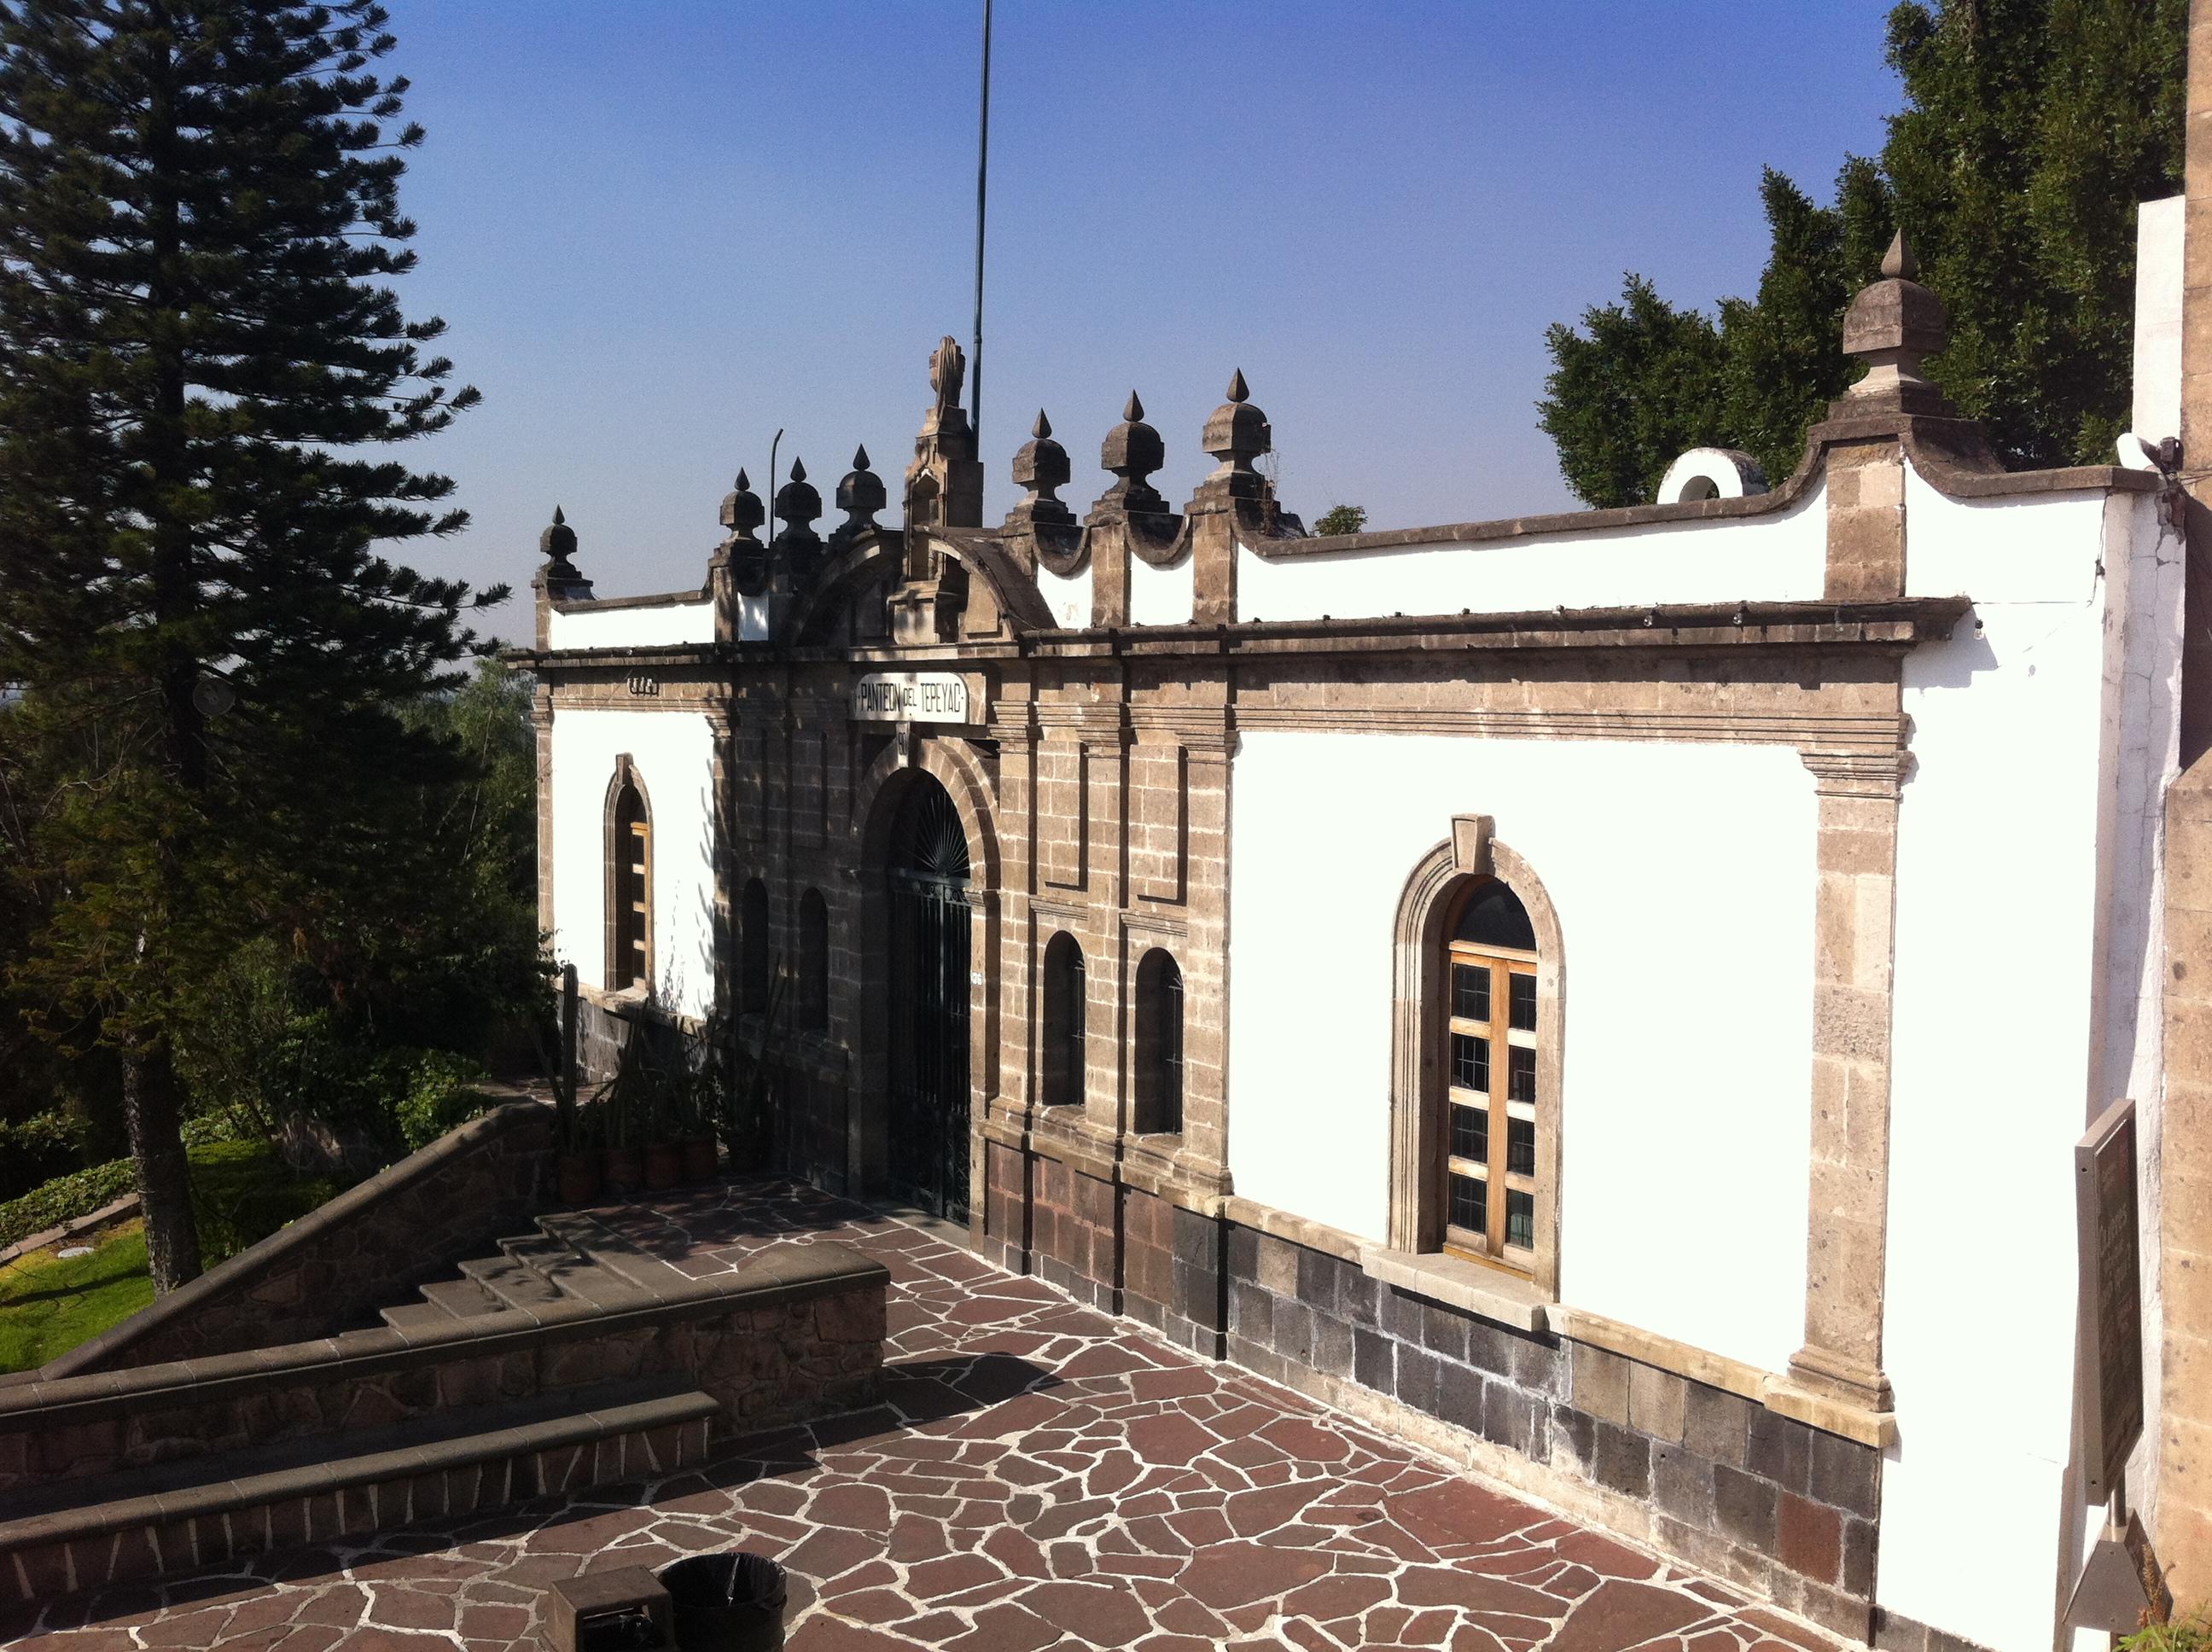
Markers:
(621, 946)
(1420, 1049)
(1496, 1102)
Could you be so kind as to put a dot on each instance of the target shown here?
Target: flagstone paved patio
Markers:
(1041, 1476)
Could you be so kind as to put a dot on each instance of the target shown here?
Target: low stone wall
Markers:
(1718, 1478)
(331, 1270)
(799, 1335)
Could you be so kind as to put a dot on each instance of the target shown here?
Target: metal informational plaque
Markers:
(2109, 1383)
(911, 697)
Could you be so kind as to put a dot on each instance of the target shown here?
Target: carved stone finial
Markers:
(742, 510)
(1899, 264)
(1133, 450)
(797, 504)
(1237, 433)
(859, 495)
(560, 580)
(1041, 524)
(558, 543)
(1892, 326)
(1041, 466)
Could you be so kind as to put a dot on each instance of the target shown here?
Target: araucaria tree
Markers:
(2031, 130)
(199, 219)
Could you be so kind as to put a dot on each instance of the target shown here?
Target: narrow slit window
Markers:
(1062, 1034)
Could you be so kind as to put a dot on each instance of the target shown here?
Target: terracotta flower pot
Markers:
(700, 1161)
(624, 1169)
(578, 1177)
(664, 1166)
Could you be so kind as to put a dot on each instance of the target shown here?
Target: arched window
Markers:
(1494, 1083)
(813, 962)
(629, 885)
(752, 949)
(1062, 1056)
(1159, 1045)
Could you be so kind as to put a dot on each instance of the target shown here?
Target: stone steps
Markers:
(218, 1508)
(572, 1257)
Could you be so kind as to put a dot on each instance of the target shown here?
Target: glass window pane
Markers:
(1524, 1003)
(1521, 1219)
(1470, 1204)
(1470, 1133)
(1520, 1145)
(1471, 1062)
(1494, 916)
(1520, 1074)
(1471, 991)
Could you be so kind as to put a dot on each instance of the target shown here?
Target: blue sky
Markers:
(660, 229)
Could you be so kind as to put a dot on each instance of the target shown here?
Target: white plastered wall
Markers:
(1683, 878)
(674, 755)
(1778, 558)
(2026, 887)
(1161, 596)
(652, 626)
(1068, 599)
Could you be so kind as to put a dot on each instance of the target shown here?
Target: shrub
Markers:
(2190, 1634)
(63, 1200)
(242, 1192)
(441, 1093)
(36, 1149)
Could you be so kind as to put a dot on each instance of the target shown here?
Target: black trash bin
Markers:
(729, 1602)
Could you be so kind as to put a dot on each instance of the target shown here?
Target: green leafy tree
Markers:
(199, 224)
(2031, 130)
(1625, 389)
(1341, 518)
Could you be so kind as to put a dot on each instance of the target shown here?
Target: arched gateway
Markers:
(927, 875)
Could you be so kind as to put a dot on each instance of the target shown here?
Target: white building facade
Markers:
(1612, 996)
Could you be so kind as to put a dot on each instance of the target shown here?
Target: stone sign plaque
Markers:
(2110, 1335)
(911, 697)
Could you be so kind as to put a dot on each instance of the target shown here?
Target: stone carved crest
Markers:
(948, 370)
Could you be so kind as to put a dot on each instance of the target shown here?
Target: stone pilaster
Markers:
(2181, 1508)
(1847, 1228)
(723, 727)
(541, 724)
(1866, 520)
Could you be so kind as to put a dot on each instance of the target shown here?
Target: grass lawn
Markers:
(49, 1304)
(241, 1193)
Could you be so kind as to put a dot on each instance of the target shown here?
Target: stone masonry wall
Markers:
(332, 1268)
(795, 1348)
(1728, 1484)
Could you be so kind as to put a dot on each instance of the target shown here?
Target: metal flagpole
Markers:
(983, 175)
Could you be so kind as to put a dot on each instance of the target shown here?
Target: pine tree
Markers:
(2031, 130)
(198, 219)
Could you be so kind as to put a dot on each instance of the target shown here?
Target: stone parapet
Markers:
(340, 1263)
(798, 1334)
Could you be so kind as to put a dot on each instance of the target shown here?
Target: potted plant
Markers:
(575, 1128)
(700, 1081)
(577, 1164)
(745, 1089)
(664, 1159)
(620, 1103)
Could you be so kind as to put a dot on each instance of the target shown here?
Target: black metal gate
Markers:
(928, 991)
